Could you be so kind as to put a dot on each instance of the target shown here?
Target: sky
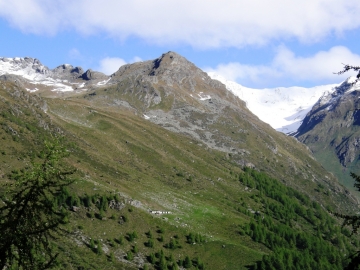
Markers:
(257, 43)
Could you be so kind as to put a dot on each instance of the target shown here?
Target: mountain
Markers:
(37, 78)
(288, 105)
(331, 130)
(171, 166)
(321, 117)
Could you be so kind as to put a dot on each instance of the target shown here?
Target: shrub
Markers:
(151, 258)
(111, 257)
(150, 243)
(120, 240)
(129, 256)
(187, 262)
(99, 250)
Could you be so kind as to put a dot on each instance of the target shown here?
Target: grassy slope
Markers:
(119, 152)
(164, 171)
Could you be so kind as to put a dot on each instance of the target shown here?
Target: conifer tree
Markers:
(354, 222)
(29, 216)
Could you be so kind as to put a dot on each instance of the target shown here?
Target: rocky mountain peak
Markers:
(332, 125)
(67, 71)
(93, 75)
(169, 67)
(174, 69)
(28, 67)
(170, 62)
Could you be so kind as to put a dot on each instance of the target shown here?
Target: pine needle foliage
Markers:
(29, 216)
(349, 68)
(354, 222)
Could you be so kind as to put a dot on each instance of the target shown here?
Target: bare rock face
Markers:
(78, 71)
(334, 122)
(332, 131)
(67, 72)
(18, 80)
(93, 75)
(348, 150)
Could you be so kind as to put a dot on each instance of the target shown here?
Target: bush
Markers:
(92, 244)
(150, 243)
(120, 240)
(99, 250)
(173, 244)
(149, 234)
(187, 262)
(129, 256)
(131, 236)
(111, 257)
(151, 258)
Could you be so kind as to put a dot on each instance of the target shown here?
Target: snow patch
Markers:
(103, 82)
(32, 70)
(204, 97)
(31, 90)
(283, 108)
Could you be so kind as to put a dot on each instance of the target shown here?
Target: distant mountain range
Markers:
(39, 77)
(173, 93)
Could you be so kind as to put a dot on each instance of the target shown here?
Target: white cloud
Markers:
(198, 23)
(136, 59)
(320, 66)
(109, 65)
(288, 68)
(239, 72)
(74, 54)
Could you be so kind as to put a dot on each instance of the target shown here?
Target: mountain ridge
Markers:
(331, 127)
(173, 93)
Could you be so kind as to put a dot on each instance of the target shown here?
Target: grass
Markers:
(118, 152)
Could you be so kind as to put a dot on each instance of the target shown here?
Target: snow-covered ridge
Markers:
(28, 68)
(63, 78)
(32, 70)
(328, 99)
(283, 108)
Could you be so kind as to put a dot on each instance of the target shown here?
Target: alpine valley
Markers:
(175, 171)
